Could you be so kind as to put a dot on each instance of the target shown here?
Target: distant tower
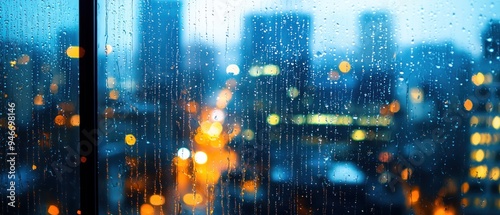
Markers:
(159, 62)
(377, 38)
(159, 53)
(482, 187)
(375, 71)
(276, 58)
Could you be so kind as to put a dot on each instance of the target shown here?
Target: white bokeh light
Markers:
(218, 115)
(183, 153)
(233, 69)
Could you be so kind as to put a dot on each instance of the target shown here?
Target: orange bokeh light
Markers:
(60, 120)
(53, 210)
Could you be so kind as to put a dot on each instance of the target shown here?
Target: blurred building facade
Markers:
(482, 188)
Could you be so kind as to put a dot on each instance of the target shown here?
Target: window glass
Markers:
(39, 113)
(298, 107)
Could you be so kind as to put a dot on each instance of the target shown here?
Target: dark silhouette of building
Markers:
(377, 39)
(375, 68)
(159, 52)
(275, 58)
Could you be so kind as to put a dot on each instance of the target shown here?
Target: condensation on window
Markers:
(40, 109)
(299, 107)
(256, 107)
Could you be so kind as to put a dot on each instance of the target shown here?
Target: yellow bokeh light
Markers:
(474, 121)
(248, 134)
(202, 138)
(495, 173)
(75, 52)
(468, 105)
(255, 71)
(496, 122)
(358, 135)
(38, 100)
(130, 139)
(220, 141)
(293, 92)
(33, 167)
(475, 138)
(53, 210)
(108, 49)
(478, 171)
(157, 200)
(192, 199)
(207, 175)
(147, 209)
(200, 157)
(215, 129)
(273, 119)
(271, 69)
(205, 126)
(478, 79)
(75, 120)
(299, 119)
(344, 67)
(478, 155)
(416, 95)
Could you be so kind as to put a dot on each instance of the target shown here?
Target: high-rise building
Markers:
(159, 51)
(275, 59)
(158, 67)
(301, 125)
(482, 188)
(375, 69)
(377, 39)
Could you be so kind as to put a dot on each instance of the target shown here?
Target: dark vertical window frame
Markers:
(88, 111)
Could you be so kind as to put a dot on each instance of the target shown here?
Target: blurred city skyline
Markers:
(219, 23)
(318, 107)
